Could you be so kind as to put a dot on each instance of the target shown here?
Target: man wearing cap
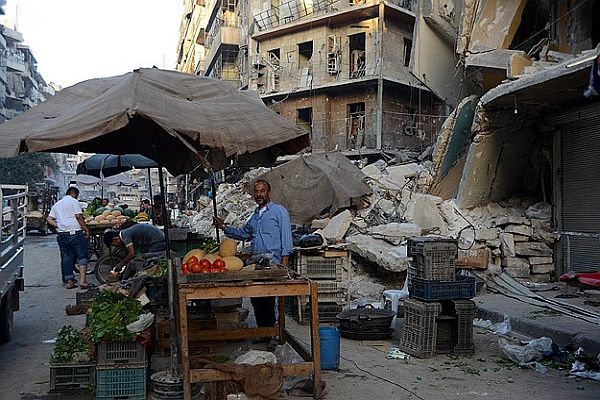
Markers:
(146, 236)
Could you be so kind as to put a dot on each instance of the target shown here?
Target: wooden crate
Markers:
(197, 347)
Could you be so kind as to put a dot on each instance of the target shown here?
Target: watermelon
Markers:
(99, 211)
(129, 213)
(117, 208)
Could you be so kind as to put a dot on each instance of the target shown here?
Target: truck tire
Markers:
(6, 318)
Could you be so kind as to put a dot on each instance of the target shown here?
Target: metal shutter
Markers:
(580, 154)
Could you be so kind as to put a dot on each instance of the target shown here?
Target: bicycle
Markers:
(94, 249)
(107, 263)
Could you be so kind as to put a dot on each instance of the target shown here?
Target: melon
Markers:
(228, 248)
(233, 263)
(211, 257)
(116, 213)
(194, 252)
(105, 212)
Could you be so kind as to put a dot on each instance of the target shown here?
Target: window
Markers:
(358, 60)
(229, 5)
(304, 118)
(356, 125)
(305, 52)
(407, 51)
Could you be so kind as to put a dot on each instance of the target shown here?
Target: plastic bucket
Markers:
(330, 347)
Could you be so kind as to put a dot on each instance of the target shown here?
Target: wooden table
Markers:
(225, 290)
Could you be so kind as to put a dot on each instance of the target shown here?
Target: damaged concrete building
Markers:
(498, 85)
(528, 131)
(351, 72)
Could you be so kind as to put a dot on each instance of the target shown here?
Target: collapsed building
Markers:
(514, 174)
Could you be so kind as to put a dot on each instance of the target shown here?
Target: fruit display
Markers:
(212, 258)
(142, 217)
(106, 216)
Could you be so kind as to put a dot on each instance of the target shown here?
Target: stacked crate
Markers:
(327, 268)
(121, 371)
(438, 317)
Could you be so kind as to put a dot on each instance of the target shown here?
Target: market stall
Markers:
(182, 122)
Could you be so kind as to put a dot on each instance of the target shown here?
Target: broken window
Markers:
(334, 55)
(358, 60)
(356, 125)
(273, 70)
(305, 52)
(407, 50)
(229, 5)
(304, 118)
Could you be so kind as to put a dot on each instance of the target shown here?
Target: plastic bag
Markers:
(502, 328)
(255, 357)
(143, 322)
(532, 351)
(285, 354)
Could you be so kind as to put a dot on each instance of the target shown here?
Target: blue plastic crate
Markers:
(124, 383)
(428, 290)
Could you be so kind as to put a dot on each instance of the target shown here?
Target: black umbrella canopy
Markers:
(178, 120)
(113, 164)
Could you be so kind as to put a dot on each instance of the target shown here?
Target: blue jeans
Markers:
(73, 248)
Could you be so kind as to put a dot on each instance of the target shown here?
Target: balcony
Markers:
(223, 33)
(15, 60)
(12, 35)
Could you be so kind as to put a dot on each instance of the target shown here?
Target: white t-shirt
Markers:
(64, 212)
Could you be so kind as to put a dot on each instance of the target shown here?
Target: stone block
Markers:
(487, 234)
(423, 210)
(515, 262)
(540, 260)
(496, 252)
(542, 268)
(372, 171)
(507, 245)
(523, 230)
(336, 229)
(536, 249)
(518, 271)
(540, 210)
(390, 257)
(540, 278)
(405, 171)
(396, 232)
(511, 220)
(520, 238)
(494, 243)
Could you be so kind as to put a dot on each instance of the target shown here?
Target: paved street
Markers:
(364, 372)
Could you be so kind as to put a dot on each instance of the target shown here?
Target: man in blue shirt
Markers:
(270, 231)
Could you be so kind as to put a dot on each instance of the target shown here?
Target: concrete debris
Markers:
(405, 171)
(390, 257)
(542, 268)
(396, 232)
(366, 289)
(335, 231)
(511, 220)
(533, 249)
(423, 210)
(540, 260)
(507, 245)
(320, 223)
(539, 211)
(592, 295)
(522, 230)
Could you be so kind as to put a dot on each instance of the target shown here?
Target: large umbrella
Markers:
(119, 180)
(311, 185)
(178, 120)
(106, 165)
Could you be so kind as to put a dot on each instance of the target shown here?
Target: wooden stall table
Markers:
(276, 283)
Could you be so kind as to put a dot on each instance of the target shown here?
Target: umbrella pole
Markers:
(150, 184)
(214, 201)
(174, 367)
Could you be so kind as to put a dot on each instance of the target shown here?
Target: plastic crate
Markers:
(322, 266)
(419, 333)
(328, 287)
(299, 309)
(447, 334)
(430, 290)
(465, 312)
(64, 377)
(416, 245)
(86, 298)
(122, 383)
(115, 353)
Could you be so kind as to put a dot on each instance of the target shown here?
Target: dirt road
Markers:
(364, 372)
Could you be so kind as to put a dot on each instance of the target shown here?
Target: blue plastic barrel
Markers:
(330, 347)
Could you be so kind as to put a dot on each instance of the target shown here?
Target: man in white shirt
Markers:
(67, 216)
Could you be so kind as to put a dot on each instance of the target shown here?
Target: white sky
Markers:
(75, 40)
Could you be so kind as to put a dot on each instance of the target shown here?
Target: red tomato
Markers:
(205, 263)
(195, 268)
(219, 263)
(192, 259)
(204, 270)
(184, 267)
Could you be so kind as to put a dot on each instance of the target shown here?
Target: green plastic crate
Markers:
(123, 383)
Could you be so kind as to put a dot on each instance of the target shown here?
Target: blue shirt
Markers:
(270, 232)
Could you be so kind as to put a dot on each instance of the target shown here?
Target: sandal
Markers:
(89, 285)
(71, 284)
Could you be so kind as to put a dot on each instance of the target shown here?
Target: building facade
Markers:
(341, 69)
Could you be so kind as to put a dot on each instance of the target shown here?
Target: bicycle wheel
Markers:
(104, 266)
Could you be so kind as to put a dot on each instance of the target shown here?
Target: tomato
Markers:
(219, 263)
(192, 259)
(204, 270)
(184, 267)
(195, 268)
(205, 263)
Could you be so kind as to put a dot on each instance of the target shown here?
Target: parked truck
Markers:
(40, 199)
(13, 199)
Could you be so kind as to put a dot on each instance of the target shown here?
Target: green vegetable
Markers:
(210, 248)
(69, 341)
(161, 270)
(99, 211)
(111, 313)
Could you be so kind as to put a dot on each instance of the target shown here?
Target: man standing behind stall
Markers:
(67, 216)
(270, 230)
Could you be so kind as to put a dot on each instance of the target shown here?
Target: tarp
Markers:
(119, 179)
(112, 164)
(315, 184)
(159, 114)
